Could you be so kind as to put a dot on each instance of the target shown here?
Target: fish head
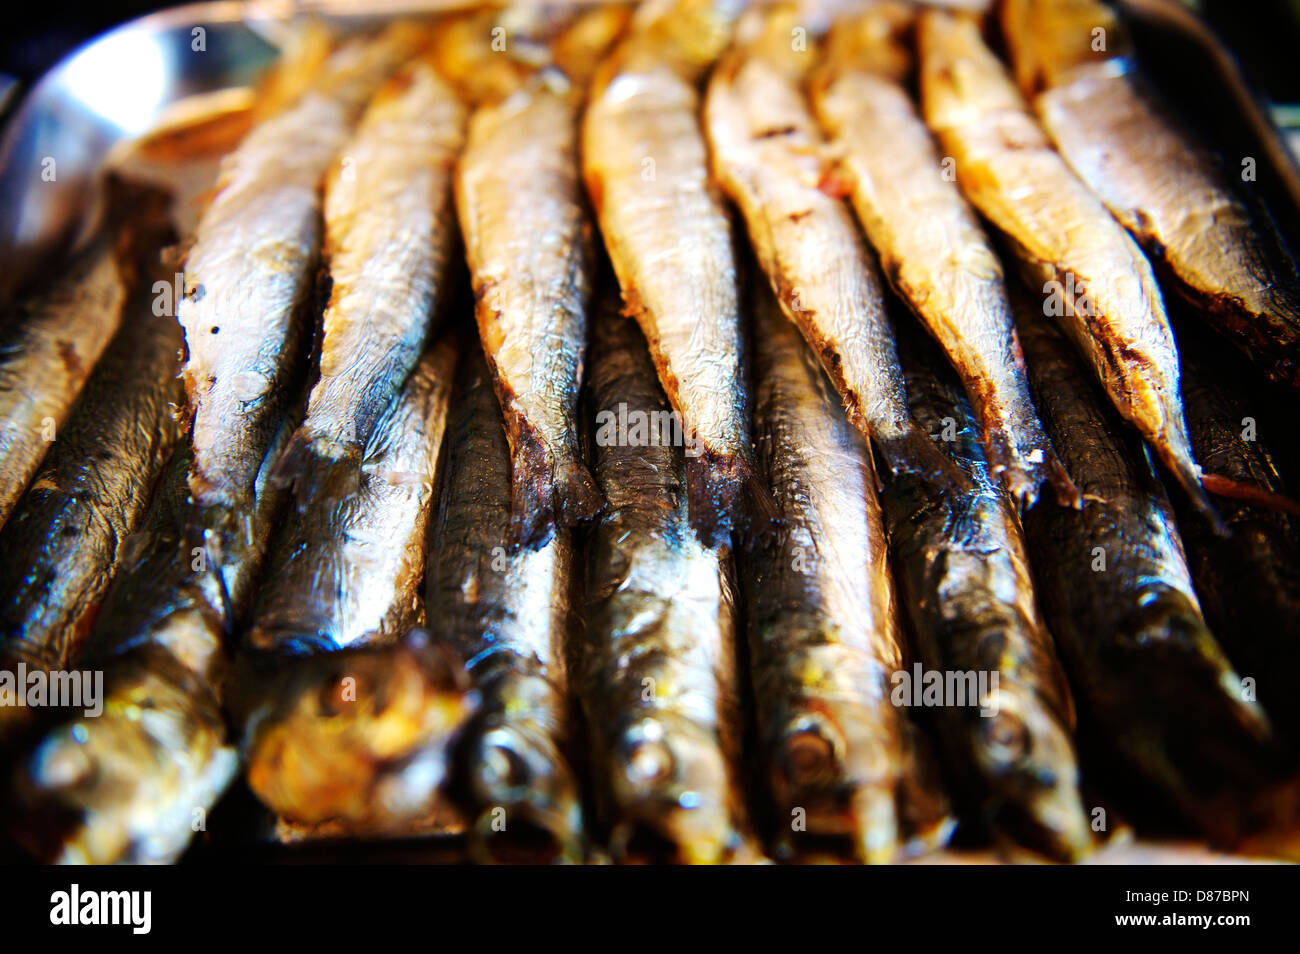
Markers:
(357, 735)
(133, 783)
(668, 776)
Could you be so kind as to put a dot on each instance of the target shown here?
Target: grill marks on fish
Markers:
(1066, 242)
(824, 636)
(930, 244)
(1152, 683)
(655, 669)
(507, 611)
(249, 275)
(1221, 253)
(61, 546)
(966, 584)
(348, 571)
(646, 167)
(809, 246)
(47, 352)
(529, 246)
(390, 236)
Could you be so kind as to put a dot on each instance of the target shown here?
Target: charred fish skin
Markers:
(390, 236)
(966, 584)
(931, 246)
(529, 246)
(655, 667)
(1067, 243)
(347, 572)
(765, 149)
(1224, 255)
(63, 541)
(1248, 581)
(249, 274)
(46, 353)
(1118, 596)
(821, 612)
(507, 611)
(645, 163)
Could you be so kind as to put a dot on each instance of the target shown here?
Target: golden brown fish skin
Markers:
(965, 581)
(62, 544)
(390, 236)
(46, 353)
(824, 634)
(347, 572)
(358, 737)
(250, 274)
(930, 244)
(1120, 139)
(508, 611)
(646, 167)
(529, 246)
(1151, 682)
(655, 669)
(1093, 273)
(765, 148)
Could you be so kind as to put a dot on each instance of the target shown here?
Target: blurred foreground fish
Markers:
(1223, 254)
(930, 244)
(390, 235)
(1099, 287)
(824, 637)
(646, 167)
(656, 669)
(507, 611)
(765, 147)
(1153, 686)
(965, 581)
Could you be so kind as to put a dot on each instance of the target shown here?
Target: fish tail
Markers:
(913, 452)
(580, 498)
(1189, 476)
(1250, 493)
(714, 483)
(1065, 490)
(547, 489)
(316, 475)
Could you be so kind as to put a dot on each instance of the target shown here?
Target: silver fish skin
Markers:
(508, 611)
(1096, 280)
(347, 572)
(390, 237)
(250, 273)
(655, 669)
(529, 246)
(825, 638)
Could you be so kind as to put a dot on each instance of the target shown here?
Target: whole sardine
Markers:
(507, 611)
(931, 247)
(1152, 684)
(1112, 128)
(389, 239)
(766, 149)
(824, 637)
(965, 581)
(1097, 281)
(655, 669)
(61, 545)
(646, 167)
(249, 275)
(348, 571)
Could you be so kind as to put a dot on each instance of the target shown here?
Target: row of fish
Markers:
(427, 584)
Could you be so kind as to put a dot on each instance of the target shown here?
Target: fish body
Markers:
(1149, 678)
(348, 571)
(529, 247)
(1222, 254)
(389, 239)
(1097, 283)
(655, 668)
(825, 639)
(930, 244)
(766, 153)
(645, 163)
(966, 584)
(507, 611)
